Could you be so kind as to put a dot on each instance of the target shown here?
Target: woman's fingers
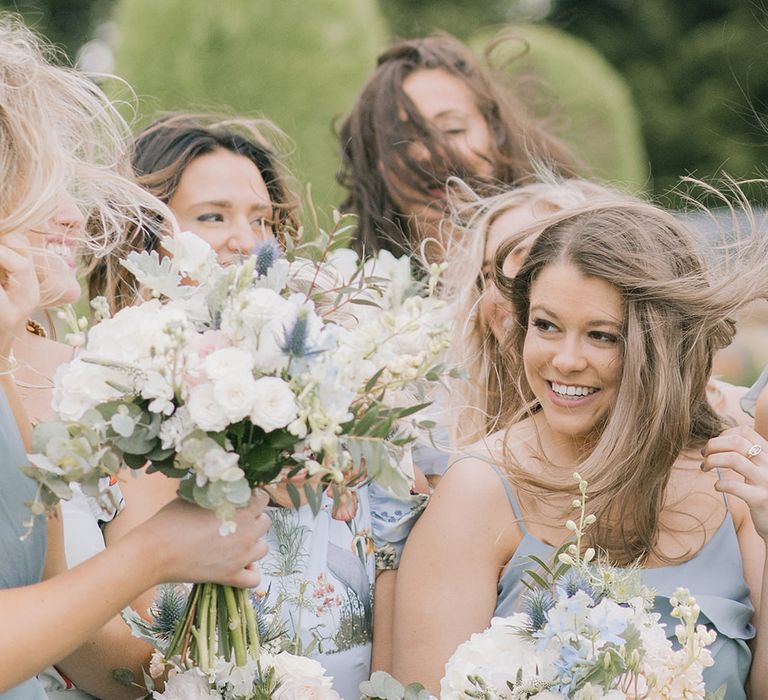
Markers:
(736, 462)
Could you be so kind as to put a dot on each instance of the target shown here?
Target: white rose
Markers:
(260, 306)
(78, 386)
(301, 677)
(235, 395)
(189, 685)
(191, 256)
(226, 361)
(308, 689)
(274, 404)
(205, 410)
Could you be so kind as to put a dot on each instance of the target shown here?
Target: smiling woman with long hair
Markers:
(617, 318)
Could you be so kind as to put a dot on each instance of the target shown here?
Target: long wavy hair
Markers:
(58, 132)
(678, 311)
(479, 405)
(378, 167)
(159, 156)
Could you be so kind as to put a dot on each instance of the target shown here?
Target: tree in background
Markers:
(67, 24)
(298, 63)
(578, 93)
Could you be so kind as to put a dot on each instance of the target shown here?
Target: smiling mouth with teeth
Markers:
(570, 391)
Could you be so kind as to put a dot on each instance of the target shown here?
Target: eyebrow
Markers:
(449, 113)
(223, 204)
(591, 324)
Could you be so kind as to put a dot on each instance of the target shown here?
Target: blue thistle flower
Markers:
(266, 253)
(572, 582)
(295, 342)
(536, 604)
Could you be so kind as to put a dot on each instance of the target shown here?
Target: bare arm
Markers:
(446, 584)
(44, 622)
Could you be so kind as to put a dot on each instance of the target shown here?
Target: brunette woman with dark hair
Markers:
(429, 111)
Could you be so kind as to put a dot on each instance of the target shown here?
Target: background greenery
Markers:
(695, 69)
(646, 90)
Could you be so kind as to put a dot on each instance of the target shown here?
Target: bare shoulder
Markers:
(726, 398)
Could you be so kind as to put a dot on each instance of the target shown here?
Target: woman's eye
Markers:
(454, 132)
(543, 325)
(210, 217)
(602, 337)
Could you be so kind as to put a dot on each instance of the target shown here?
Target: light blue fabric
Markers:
(392, 520)
(319, 575)
(21, 560)
(714, 576)
(749, 399)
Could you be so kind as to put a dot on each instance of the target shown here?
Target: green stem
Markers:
(225, 648)
(212, 613)
(235, 626)
(201, 633)
(253, 627)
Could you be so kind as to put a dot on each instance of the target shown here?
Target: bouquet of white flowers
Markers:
(588, 632)
(230, 378)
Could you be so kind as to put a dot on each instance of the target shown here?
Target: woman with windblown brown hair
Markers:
(224, 179)
(431, 110)
(617, 319)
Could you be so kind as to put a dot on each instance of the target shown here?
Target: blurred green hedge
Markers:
(295, 62)
(578, 94)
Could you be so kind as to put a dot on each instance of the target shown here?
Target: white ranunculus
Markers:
(227, 361)
(191, 256)
(204, 410)
(274, 404)
(188, 685)
(235, 395)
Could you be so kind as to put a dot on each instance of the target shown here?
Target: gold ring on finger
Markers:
(754, 451)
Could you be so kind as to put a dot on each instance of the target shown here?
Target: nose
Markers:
(68, 215)
(569, 357)
(242, 237)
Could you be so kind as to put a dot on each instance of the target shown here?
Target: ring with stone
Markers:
(754, 451)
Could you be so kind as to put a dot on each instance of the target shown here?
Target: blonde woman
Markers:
(53, 121)
(617, 318)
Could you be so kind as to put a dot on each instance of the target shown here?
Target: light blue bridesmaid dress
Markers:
(21, 560)
(713, 576)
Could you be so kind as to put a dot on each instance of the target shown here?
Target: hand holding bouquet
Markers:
(229, 378)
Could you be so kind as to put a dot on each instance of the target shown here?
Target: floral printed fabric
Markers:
(318, 577)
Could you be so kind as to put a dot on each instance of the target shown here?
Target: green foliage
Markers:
(299, 64)
(584, 99)
(696, 74)
(382, 686)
